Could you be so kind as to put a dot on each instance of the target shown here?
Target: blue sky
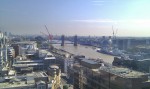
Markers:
(81, 17)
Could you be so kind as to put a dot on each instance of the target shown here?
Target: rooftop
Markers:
(144, 60)
(40, 74)
(14, 84)
(26, 42)
(119, 71)
(26, 65)
(123, 72)
(22, 80)
(90, 61)
(29, 61)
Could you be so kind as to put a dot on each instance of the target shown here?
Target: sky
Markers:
(76, 17)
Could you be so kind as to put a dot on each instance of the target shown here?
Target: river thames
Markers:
(87, 51)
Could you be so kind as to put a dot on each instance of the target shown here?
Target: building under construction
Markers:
(93, 74)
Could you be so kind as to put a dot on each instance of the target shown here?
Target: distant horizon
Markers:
(81, 17)
(83, 35)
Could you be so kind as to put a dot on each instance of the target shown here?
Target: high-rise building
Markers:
(3, 48)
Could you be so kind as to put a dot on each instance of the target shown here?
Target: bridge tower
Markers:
(62, 40)
(75, 40)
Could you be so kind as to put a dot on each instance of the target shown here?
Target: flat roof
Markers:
(90, 61)
(123, 72)
(11, 72)
(40, 74)
(26, 42)
(19, 81)
(15, 84)
(16, 81)
(31, 61)
(144, 60)
(26, 65)
(49, 58)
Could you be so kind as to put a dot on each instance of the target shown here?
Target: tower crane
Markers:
(50, 36)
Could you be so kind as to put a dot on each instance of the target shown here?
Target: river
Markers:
(88, 51)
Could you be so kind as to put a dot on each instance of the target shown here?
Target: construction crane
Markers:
(114, 36)
(50, 36)
(114, 33)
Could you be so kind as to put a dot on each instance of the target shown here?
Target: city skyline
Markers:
(76, 17)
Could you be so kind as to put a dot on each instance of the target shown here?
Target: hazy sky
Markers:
(81, 17)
